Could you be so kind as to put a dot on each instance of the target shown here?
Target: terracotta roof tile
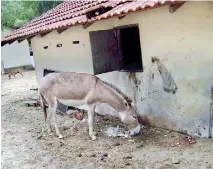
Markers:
(73, 12)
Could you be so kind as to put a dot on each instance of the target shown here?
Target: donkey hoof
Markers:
(60, 136)
(94, 137)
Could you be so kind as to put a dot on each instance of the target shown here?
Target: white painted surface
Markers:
(2, 67)
(182, 40)
(32, 61)
(15, 54)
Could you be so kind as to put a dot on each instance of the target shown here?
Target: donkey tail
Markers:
(44, 107)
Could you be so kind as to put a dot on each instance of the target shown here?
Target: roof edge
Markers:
(11, 40)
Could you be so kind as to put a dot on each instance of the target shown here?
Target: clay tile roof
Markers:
(73, 12)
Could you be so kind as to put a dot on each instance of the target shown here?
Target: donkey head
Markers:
(129, 117)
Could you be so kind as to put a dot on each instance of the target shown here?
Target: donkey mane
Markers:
(125, 97)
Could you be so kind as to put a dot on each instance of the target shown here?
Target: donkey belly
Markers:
(72, 102)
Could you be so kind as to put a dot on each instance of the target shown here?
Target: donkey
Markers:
(77, 89)
(15, 71)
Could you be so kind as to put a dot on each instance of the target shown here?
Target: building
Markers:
(15, 54)
(119, 42)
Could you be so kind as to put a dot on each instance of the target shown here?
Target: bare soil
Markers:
(25, 143)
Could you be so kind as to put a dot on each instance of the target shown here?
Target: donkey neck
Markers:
(111, 96)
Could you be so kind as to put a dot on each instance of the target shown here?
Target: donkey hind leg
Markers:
(49, 127)
(91, 112)
(53, 111)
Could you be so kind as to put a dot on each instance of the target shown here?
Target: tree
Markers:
(15, 14)
(44, 6)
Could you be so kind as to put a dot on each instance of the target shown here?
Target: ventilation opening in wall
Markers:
(45, 47)
(59, 45)
(75, 42)
(31, 52)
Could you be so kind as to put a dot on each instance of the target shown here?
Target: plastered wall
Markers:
(183, 43)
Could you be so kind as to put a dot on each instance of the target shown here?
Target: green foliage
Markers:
(44, 6)
(15, 14)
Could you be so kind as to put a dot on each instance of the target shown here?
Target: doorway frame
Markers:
(130, 26)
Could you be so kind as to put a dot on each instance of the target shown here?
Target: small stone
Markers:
(93, 155)
(139, 146)
(39, 137)
(116, 144)
(102, 159)
(105, 155)
(65, 128)
(106, 118)
(128, 164)
(79, 155)
(79, 115)
(131, 140)
(128, 157)
(50, 144)
(175, 160)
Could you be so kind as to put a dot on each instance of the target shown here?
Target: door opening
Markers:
(131, 48)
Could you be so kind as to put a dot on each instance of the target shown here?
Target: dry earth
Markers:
(25, 143)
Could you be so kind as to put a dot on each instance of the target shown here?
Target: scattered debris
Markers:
(79, 115)
(190, 139)
(36, 89)
(116, 132)
(29, 103)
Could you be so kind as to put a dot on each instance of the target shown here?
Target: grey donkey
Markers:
(77, 89)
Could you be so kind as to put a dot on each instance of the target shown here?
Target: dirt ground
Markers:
(25, 143)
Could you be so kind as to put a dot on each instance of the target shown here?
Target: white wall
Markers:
(182, 40)
(15, 54)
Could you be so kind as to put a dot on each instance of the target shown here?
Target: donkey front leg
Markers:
(53, 111)
(91, 112)
(49, 128)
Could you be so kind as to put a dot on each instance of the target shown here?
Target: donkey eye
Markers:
(134, 116)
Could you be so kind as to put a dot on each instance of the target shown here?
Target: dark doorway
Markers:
(131, 48)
